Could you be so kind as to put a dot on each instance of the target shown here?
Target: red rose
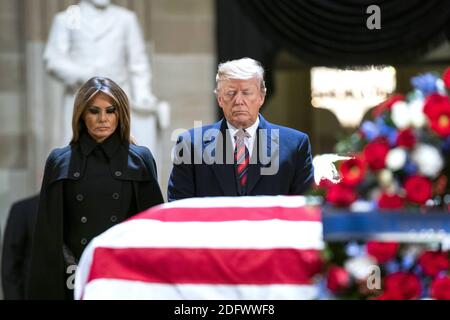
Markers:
(406, 138)
(375, 154)
(433, 262)
(441, 125)
(402, 286)
(433, 103)
(338, 279)
(437, 110)
(382, 251)
(446, 77)
(387, 104)
(418, 189)
(440, 288)
(352, 171)
(340, 195)
(313, 261)
(388, 201)
(325, 183)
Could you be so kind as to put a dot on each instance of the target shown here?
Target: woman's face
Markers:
(101, 117)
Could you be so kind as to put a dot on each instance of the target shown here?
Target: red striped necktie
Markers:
(241, 157)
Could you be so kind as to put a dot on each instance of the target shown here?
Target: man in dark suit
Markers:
(17, 247)
(243, 154)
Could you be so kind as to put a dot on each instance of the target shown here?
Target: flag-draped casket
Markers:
(208, 248)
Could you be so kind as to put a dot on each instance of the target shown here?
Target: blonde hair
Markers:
(242, 69)
(87, 92)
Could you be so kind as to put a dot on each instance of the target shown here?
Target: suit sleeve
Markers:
(182, 179)
(13, 256)
(304, 173)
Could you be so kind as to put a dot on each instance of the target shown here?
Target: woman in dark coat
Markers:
(99, 180)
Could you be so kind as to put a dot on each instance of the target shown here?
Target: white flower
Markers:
(440, 86)
(400, 115)
(360, 267)
(387, 182)
(418, 118)
(428, 160)
(385, 177)
(405, 115)
(396, 159)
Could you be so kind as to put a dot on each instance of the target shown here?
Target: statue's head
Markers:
(100, 3)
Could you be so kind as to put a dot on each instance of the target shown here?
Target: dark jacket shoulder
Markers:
(290, 134)
(145, 156)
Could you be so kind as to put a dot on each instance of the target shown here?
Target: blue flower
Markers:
(352, 249)
(408, 261)
(446, 145)
(410, 168)
(417, 269)
(426, 83)
(392, 266)
(392, 137)
(370, 130)
(385, 130)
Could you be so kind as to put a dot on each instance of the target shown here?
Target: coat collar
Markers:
(110, 146)
(127, 163)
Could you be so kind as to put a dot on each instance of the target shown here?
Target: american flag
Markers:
(264, 247)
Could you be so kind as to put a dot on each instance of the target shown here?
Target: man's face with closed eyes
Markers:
(240, 101)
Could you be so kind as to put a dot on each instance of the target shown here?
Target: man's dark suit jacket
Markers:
(200, 172)
(17, 247)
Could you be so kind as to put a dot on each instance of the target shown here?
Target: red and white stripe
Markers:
(206, 248)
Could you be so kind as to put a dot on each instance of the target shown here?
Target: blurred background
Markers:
(315, 54)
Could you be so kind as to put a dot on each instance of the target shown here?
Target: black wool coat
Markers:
(47, 278)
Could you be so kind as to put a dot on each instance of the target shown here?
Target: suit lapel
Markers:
(222, 167)
(264, 140)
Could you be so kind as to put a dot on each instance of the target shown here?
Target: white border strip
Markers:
(225, 234)
(259, 201)
(109, 289)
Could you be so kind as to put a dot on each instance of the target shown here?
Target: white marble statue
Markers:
(97, 38)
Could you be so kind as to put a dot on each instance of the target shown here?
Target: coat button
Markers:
(118, 173)
(116, 196)
(79, 197)
(83, 219)
(76, 174)
(113, 218)
(83, 241)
